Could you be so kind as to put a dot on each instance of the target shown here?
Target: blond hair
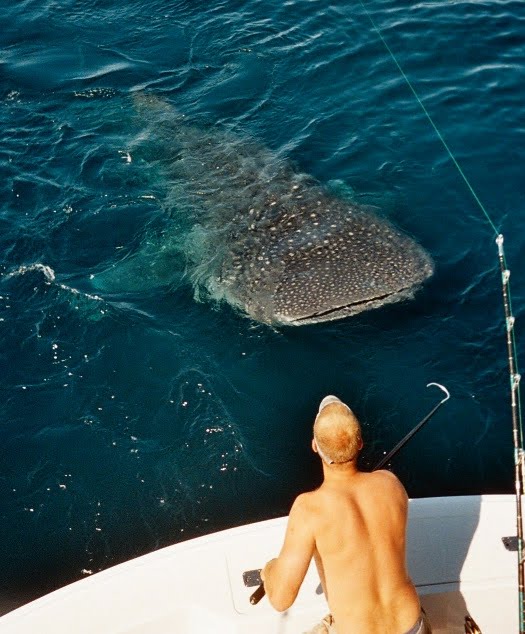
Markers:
(337, 433)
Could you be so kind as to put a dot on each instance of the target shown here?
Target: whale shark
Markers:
(270, 240)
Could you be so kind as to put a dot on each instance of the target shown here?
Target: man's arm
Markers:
(283, 576)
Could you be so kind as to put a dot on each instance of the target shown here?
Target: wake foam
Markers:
(50, 278)
(47, 271)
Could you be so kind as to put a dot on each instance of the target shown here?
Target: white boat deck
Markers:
(455, 555)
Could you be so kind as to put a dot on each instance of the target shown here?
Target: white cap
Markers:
(328, 400)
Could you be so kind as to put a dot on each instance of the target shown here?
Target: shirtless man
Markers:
(354, 525)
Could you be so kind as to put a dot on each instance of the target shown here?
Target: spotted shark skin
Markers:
(320, 259)
(272, 241)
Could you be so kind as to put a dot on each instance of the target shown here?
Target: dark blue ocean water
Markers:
(132, 415)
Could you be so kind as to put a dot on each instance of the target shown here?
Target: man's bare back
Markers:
(359, 524)
(354, 525)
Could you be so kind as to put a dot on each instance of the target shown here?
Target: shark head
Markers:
(324, 260)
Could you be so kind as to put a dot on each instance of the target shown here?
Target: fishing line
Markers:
(436, 129)
(517, 422)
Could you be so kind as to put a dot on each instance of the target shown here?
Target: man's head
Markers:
(337, 433)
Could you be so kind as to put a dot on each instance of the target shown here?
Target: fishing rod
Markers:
(517, 433)
(260, 591)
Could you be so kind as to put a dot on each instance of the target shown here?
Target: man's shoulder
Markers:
(389, 480)
(305, 503)
(304, 500)
(387, 475)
